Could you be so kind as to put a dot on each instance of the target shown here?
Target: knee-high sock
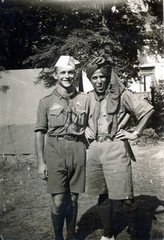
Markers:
(130, 212)
(71, 216)
(58, 222)
(105, 211)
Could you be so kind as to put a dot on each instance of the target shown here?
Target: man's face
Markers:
(99, 82)
(65, 76)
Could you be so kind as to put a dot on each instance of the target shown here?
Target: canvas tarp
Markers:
(18, 107)
(17, 139)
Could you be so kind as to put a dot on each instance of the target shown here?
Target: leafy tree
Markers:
(16, 35)
(158, 102)
(34, 35)
(99, 31)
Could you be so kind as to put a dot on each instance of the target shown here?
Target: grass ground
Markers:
(25, 206)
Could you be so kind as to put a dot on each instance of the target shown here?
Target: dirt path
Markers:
(25, 207)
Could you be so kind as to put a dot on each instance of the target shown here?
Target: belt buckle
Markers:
(101, 139)
(109, 139)
(70, 138)
(66, 137)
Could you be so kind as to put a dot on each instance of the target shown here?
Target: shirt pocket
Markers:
(57, 117)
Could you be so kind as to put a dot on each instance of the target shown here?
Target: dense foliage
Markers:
(158, 103)
(34, 34)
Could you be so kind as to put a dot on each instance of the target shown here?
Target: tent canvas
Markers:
(18, 107)
(17, 139)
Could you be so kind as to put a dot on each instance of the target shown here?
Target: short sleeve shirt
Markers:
(57, 115)
(129, 103)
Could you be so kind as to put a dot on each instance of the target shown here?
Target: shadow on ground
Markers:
(149, 207)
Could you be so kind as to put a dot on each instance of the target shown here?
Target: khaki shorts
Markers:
(66, 162)
(109, 170)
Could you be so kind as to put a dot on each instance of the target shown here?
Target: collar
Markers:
(113, 93)
(67, 95)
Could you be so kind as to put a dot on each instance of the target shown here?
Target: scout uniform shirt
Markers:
(130, 104)
(109, 160)
(58, 115)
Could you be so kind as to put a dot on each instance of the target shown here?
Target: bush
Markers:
(158, 103)
(148, 137)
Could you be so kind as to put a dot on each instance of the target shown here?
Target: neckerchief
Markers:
(68, 108)
(113, 96)
(67, 95)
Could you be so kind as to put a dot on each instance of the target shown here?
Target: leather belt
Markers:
(65, 137)
(103, 138)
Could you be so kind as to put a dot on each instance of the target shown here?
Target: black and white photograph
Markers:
(81, 120)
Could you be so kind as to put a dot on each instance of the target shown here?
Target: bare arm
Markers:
(39, 147)
(122, 134)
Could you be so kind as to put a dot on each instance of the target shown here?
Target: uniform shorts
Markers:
(109, 170)
(66, 162)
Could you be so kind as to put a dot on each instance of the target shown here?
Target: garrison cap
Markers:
(66, 61)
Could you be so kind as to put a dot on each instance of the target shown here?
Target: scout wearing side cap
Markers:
(62, 116)
(65, 61)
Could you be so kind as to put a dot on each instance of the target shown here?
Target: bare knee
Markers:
(128, 203)
(59, 203)
(130, 207)
(74, 198)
